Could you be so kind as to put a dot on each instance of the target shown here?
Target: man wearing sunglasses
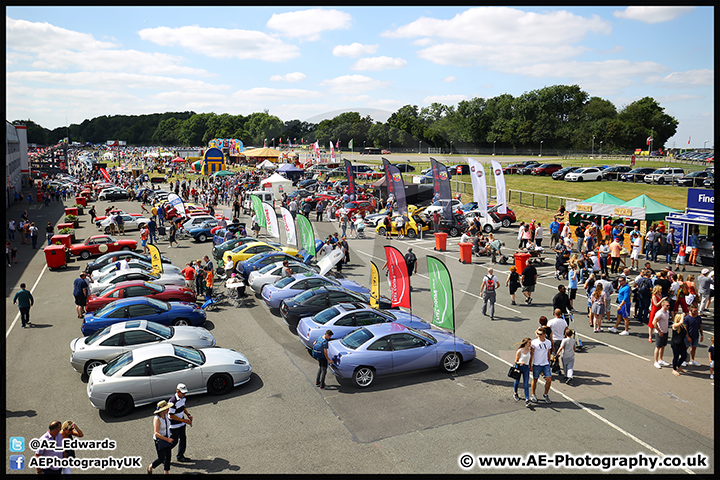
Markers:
(540, 354)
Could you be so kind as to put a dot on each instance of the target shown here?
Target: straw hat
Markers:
(162, 406)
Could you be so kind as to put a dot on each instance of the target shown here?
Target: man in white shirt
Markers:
(125, 265)
(558, 325)
(540, 353)
(487, 290)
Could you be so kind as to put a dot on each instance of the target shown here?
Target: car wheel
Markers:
(487, 228)
(580, 179)
(119, 405)
(181, 322)
(660, 181)
(84, 254)
(454, 232)
(108, 230)
(412, 234)
(599, 178)
(381, 231)
(125, 248)
(92, 364)
(506, 222)
(450, 362)
(363, 376)
(220, 384)
(202, 237)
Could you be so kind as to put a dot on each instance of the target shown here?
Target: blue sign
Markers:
(17, 462)
(701, 199)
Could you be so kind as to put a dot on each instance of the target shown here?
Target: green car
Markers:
(219, 250)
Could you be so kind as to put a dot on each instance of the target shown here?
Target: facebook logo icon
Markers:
(17, 462)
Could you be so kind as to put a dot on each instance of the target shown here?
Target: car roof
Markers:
(380, 329)
(128, 325)
(152, 351)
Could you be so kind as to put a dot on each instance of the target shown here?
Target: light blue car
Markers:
(288, 287)
(343, 318)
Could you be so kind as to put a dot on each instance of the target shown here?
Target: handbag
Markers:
(514, 372)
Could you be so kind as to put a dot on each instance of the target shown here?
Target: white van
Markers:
(266, 196)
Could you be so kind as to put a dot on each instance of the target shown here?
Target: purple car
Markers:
(392, 348)
(343, 318)
(288, 287)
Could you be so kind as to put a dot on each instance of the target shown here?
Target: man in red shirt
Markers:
(607, 229)
(189, 275)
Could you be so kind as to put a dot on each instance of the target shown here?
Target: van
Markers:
(265, 196)
(665, 175)
(370, 151)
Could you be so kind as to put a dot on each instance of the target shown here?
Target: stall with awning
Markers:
(699, 212)
(654, 210)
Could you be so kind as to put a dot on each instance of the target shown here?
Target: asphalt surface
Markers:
(424, 422)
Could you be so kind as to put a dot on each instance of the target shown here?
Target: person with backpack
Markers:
(411, 262)
(319, 352)
(487, 290)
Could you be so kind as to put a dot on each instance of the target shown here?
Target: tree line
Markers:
(559, 117)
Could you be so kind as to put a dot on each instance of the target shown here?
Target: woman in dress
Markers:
(513, 281)
(679, 335)
(597, 308)
(655, 302)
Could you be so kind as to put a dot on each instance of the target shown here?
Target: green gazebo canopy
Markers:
(654, 210)
(604, 198)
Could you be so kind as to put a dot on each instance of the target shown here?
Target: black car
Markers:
(313, 301)
(404, 167)
(636, 174)
(455, 226)
(464, 169)
(614, 173)
(527, 169)
(117, 256)
(709, 182)
(307, 183)
(560, 174)
(694, 179)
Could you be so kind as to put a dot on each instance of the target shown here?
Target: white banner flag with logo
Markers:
(177, 203)
(289, 222)
(500, 186)
(477, 177)
(272, 222)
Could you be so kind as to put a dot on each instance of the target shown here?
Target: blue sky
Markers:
(68, 64)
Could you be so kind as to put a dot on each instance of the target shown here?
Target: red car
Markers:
(101, 244)
(546, 169)
(506, 219)
(363, 207)
(137, 288)
(374, 175)
(512, 168)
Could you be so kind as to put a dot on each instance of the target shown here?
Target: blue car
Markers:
(392, 348)
(202, 233)
(143, 308)
(288, 287)
(347, 317)
(256, 262)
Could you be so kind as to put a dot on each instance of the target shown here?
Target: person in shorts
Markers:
(660, 327)
(528, 281)
(540, 358)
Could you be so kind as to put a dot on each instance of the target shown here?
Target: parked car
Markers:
(636, 174)
(464, 169)
(143, 308)
(614, 172)
(560, 174)
(145, 375)
(513, 168)
(665, 175)
(100, 244)
(546, 169)
(412, 226)
(105, 344)
(139, 288)
(346, 317)
(583, 174)
(129, 223)
(219, 250)
(391, 348)
(363, 207)
(453, 227)
(317, 299)
(113, 278)
(288, 287)
(439, 205)
(694, 179)
(194, 221)
(709, 182)
(257, 261)
(244, 252)
(113, 257)
(202, 233)
(113, 193)
(506, 219)
(132, 263)
(488, 224)
(404, 167)
(270, 274)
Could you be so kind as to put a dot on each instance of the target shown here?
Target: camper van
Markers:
(265, 195)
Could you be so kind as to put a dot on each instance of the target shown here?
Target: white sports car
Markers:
(134, 263)
(584, 174)
(130, 223)
(167, 278)
(273, 272)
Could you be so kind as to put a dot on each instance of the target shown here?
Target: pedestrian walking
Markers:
(11, 229)
(70, 430)
(80, 292)
(144, 237)
(161, 435)
(51, 437)
(24, 300)
(540, 357)
(660, 326)
(319, 352)
(411, 263)
(693, 323)
(528, 281)
(488, 291)
(566, 352)
(152, 230)
(319, 209)
(522, 363)
(33, 235)
(173, 233)
(513, 283)
(179, 418)
(49, 232)
(623, 311)
(679, 337)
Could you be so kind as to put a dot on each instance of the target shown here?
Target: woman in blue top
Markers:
(572, 283)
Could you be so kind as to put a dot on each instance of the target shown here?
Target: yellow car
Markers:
(243, 252)
(410, 227)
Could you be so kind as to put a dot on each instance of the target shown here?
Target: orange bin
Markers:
(440, 241)
(465, 252)
(521, 260)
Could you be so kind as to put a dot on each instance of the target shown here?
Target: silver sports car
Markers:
(112, 278)
(148, 374)
(113, 340)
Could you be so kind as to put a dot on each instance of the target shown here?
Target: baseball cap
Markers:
(704, 271)
(181, 388)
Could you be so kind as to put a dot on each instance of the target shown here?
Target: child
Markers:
(522, 363)
(567, 348)
(711, 356)
(13, 254)
(680, 260)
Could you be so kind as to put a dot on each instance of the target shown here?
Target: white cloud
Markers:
(497, 56)
(354, 50)
(308, 24)
(444, 99)
(691, 77)
(379, 63)
(26, 36)
(223, 42)
(652, 14)
(449, 78)
(288, 77)
(353, 84)
(265, 93)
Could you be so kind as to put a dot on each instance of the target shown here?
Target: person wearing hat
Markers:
(704, 287)
(179, 417)
(80, 292)
(161, 435)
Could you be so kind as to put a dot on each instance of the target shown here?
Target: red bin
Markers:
(71, 211)
(63, 238)
(55, 256)
(440, 241)
(465, 252)
(81, 201)
(520, 261)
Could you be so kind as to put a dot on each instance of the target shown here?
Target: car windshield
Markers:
(284, 282)
(154, 286)
(164, 306)
(423, 334)
(326, 315)
(696, 174)
(355, 339)
(104, 310)
(118, 363)
(306, 295)
(190, 354)
(639, 170)
(97, 336)
(107, 290)
(350, 205)
(267, 268)
(162, 330)
(255, 258)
